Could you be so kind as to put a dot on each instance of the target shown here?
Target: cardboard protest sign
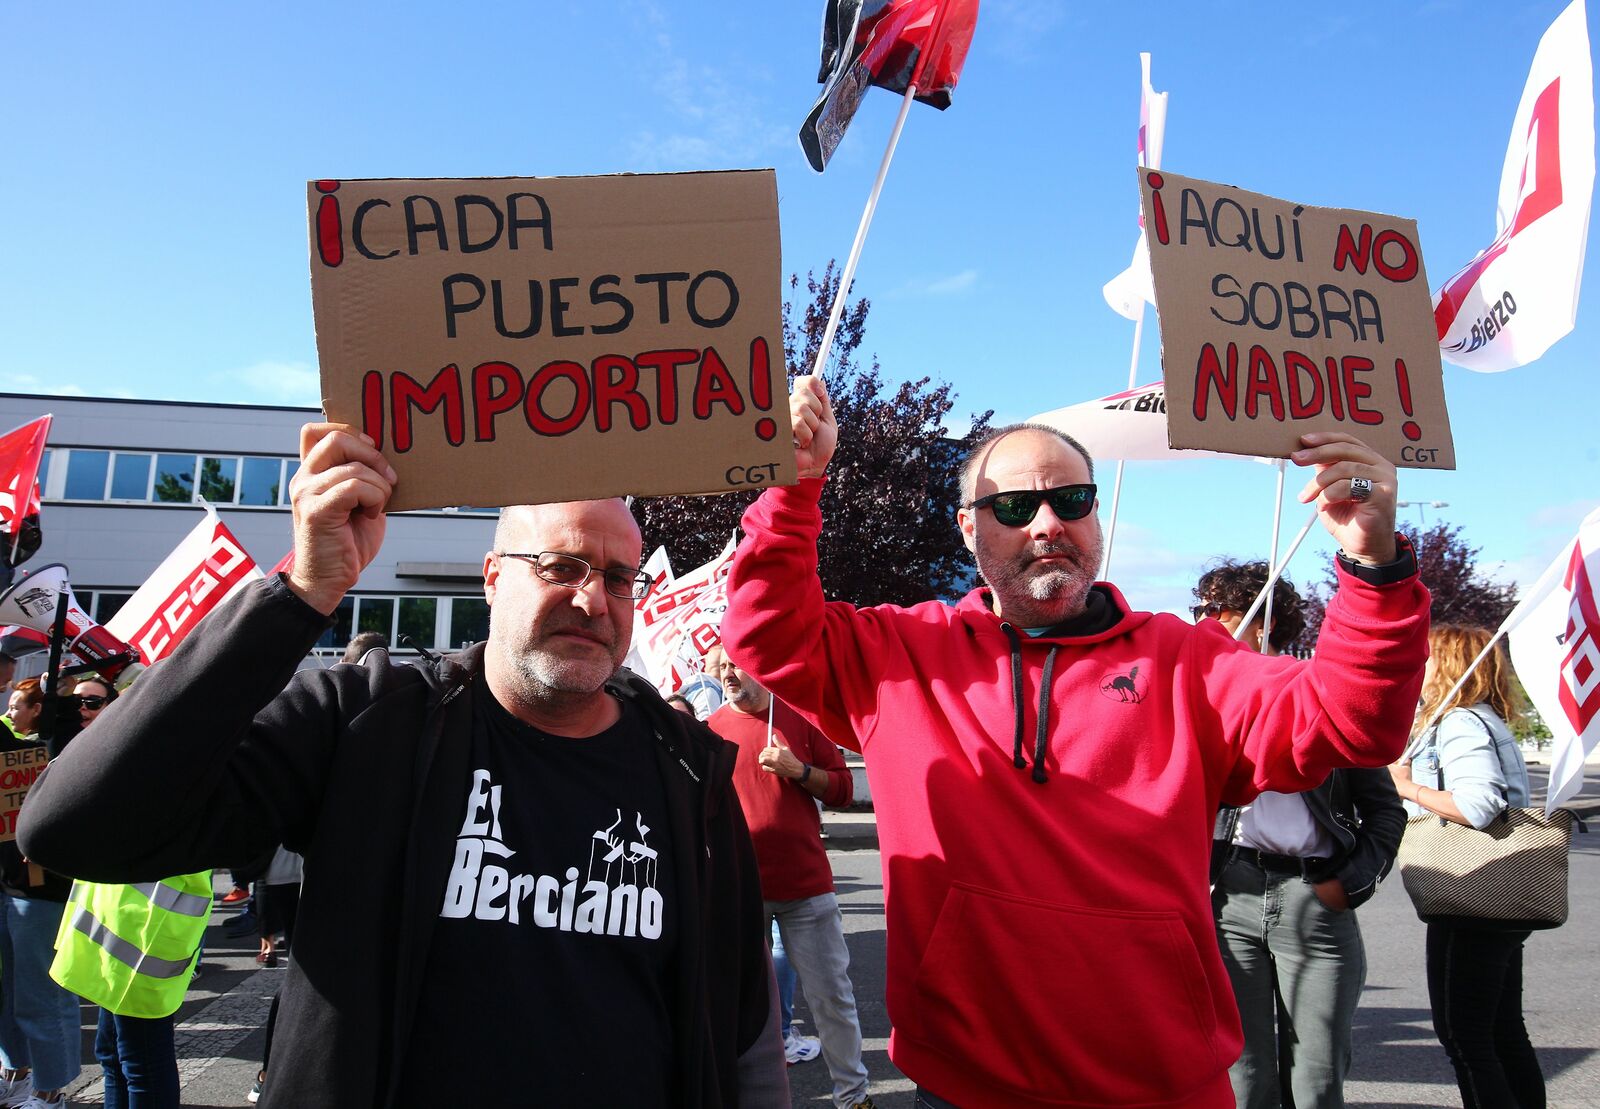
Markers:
(520, 340)
(18, 770)
(1278, 319)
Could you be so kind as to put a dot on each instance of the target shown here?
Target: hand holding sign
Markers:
(339, 496)
(778, 759)
(1363, 528)
(816, 434)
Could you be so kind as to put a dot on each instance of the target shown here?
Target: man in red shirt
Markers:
(779, 780)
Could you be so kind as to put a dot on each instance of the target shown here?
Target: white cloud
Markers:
(716, 111)
(271, 381)
(937, 286)
(15, 381)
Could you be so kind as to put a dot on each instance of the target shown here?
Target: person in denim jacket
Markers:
(1469, 770)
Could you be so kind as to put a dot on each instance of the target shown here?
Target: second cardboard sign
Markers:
(1278, 319)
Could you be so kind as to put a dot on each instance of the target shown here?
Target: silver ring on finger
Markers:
(1360, 488)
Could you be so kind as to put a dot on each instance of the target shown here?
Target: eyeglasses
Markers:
(1210, 608)
(572, 572)
(93, 703)
(1018, 508)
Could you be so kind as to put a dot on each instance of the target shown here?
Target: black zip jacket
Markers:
(221, 751)
(1361, 811)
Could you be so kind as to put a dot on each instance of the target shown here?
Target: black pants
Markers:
(1475, 988)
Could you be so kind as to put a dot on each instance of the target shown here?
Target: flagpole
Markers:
(1116, 488)
(849, 273)
(1277, 526)
(1277, 572)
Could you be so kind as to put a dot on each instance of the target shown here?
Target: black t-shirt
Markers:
(549, 975)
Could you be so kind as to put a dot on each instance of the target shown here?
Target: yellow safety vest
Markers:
(132, 949)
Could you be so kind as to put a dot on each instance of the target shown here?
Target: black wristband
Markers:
(1403, 566)
(805, 772)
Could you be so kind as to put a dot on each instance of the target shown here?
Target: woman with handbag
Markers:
(1467, 769)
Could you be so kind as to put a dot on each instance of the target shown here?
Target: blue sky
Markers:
(154, 199)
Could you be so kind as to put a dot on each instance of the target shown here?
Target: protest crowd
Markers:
(1123, 853)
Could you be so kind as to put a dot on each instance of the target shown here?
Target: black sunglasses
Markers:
(1018, 508)
(92, 702)
(1210, 608)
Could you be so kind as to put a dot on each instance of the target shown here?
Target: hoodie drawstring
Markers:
(1044, 715)
(1042, 735)
(1016, 695)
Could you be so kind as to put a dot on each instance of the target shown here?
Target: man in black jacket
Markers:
(1287, 873)
(577, 913)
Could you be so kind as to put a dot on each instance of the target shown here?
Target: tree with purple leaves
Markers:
(892, 489)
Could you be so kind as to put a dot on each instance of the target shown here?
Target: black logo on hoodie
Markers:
(1125, 688)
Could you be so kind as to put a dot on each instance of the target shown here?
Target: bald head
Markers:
(519, 523)
(552, 643)
(973, 468)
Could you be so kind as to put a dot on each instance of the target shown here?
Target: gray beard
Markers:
(1039, 598)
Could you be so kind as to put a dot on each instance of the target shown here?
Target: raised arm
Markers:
(1290, 723)
(203, 761)
(778, 625)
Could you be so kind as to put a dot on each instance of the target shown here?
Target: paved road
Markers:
(1398, 1062)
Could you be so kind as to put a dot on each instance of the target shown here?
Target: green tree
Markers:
(1448, 566)
(892, 491)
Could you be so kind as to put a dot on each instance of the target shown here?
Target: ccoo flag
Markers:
(20, 452)
(893, 44)
(203, 571)
(1130, 290)
(1519, 296)
(1555, 646)
(677, 622)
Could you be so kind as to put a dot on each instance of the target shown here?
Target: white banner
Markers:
(1130, 425)
(1555, 646)
(1131, 290)
(204, 570)
(659, 567)
(1520, 295)
(674, 627)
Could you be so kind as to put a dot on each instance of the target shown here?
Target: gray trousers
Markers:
(813, 936)
(1297, 969)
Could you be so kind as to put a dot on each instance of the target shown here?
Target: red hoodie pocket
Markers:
(1093, 1006)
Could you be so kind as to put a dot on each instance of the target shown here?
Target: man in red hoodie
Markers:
(1046, 763)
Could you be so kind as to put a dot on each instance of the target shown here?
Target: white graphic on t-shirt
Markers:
(618, 896)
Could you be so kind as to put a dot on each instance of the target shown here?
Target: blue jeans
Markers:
(786, 979)
(813, 936)
(39, 1024)
(140, 1061)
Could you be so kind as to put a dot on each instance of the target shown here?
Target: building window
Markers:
(218, 478)
(108, 604)
(416, 620)
(86, 475)
(259, 484)
(376, 614)
(130, 477)
(174, 478)
(469, 621)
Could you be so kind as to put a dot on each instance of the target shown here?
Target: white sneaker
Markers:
(15, 1091)
(800, 1049)
(37, 1102)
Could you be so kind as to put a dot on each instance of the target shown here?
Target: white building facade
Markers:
(123, 482)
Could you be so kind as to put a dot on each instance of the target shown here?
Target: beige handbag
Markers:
(1511, 875)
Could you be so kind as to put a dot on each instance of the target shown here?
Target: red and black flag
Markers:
(20, 452)
(893, 44)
